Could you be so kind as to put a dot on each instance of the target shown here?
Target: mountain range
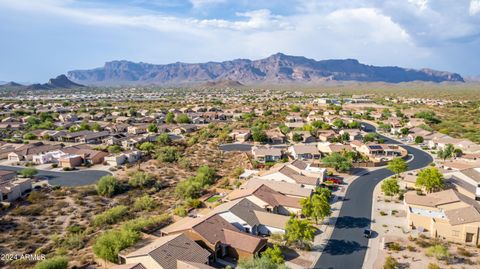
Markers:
(275, 69)
(60, 82)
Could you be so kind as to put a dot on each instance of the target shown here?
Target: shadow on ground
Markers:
(342, 247)
(351, 222)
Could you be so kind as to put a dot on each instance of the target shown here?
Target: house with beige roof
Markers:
(268, 199)
(285, 188)
(446, 214)
(466, 181)
(249, 217)
(240, 135)
(304, 152)
(165, 252)
(267, 154)
(296, 172)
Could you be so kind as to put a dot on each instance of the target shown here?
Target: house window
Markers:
(247, 230)
(469, 238)
(456, 233)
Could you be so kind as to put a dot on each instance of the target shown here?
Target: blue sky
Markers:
(44, 38)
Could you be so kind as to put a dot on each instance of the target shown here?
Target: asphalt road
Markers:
(70, 178)
(347, 247)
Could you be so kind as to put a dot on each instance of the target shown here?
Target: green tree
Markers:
(390, 186)
(107, 186)
(96, 127)
(296, 137)
(339, 123)
(274, 254)
(147, 146)
(369, 137)
(29, 136)
(110, 243)
(447, 152)
(57, 262)
(152, 128)
(182, 118)
(299, 232)
(28, 172)
(141, 179)
(354, 125)
(284, 129)
(167, 154)
(320, 207)
(164, 139)
(170, 118)
(431, 179)
(114, 149)
(338, 162)
(263, 262)
(419, 140)
(397, 166)
(259, 135)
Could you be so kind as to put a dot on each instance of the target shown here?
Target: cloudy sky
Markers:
(43, 38)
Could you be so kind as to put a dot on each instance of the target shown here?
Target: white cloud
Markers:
(474, 7)
(202, 3)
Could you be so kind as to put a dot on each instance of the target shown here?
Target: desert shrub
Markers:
(390, 263)
(107, 186)
(111, 216)
(440, 252)
(433, 266)
(28, 210)
(141, 179)
(144, 203)
(394, 246)
(58, 262)
(180, 211)
(110, 243)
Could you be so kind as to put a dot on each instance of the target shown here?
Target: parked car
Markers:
(367, 233)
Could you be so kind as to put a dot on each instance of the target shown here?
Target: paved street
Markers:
(70, 178)
(346, 247)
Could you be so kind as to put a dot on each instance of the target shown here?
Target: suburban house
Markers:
(297, 172)
(218, 236)
(328, 148)
(89, 156)
(137, 129)
(446, 214)
(285, 188)
(266, 154)
(275, 137)
(305, 152)
(164, 252)
(307, 137)
(240, 135)
(249, 217)
(353, 134)
(326, 135)
(466, 181)
(26, 152)
(269, 200)
(380, 151)
(123, 157)
(12, 188)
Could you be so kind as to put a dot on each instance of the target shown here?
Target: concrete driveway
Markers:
(67, 178)
(347, 247)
